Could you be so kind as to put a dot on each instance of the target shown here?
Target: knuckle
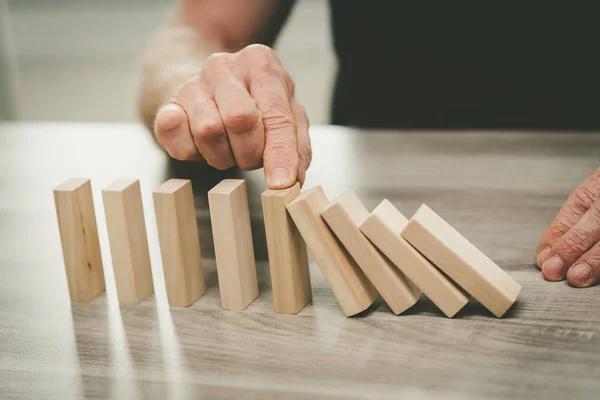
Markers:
(577, 241)
(219, 59)
(183, 153)
(280, 149)
(279, 122)
(276, 117)
(260, 51)
(220, 164)
(243, 119)
(263, 58)
(208, 130)
(558, 230)
(595, 211)
(570, 218)
(190, 84)
(584, 196)
(217, 62)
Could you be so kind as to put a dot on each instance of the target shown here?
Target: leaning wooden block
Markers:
(179, 242)
(461, 261)
(288, 258)
(128, 240)
(344, 216)
(232, 236)
(79, 239)
(349, 284)
(383, 227)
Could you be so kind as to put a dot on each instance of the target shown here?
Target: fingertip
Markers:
(169, 117)
(280, 178)
(580, 275)
(553, 269)
(542, 256)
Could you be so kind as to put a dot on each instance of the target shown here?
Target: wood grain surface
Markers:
(499, 189)
(179, 243)
(288, 256)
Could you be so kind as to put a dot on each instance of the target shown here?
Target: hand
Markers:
(240, 110)
(570, 247)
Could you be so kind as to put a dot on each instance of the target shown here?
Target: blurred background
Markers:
(78, 60)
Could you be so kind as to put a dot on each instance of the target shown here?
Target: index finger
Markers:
(280, 157)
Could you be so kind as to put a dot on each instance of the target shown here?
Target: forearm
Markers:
(174, 56)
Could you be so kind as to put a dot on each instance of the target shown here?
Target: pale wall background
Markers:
(78, 59)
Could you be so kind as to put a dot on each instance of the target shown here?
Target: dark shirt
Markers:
(505, 65)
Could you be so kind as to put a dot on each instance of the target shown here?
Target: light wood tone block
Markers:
(128, 241)
(288, 258)
(234, 252)
(179, 242)
(383, 227)
(79, 239)
(349, 284)
(344, 216)
(461, 261)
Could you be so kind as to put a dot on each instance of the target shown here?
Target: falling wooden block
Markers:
(349, 284)
(461, 261)
(79, 239)
(234, 253)
(128, 240)
(288, 258)
(179, 242)
(383, 227)
(344, 216)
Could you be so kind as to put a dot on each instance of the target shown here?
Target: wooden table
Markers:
(499, 189)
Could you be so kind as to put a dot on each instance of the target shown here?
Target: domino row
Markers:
(361, 254)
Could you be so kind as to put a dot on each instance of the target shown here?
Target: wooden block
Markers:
(344, 216)
(179, 242)
(234, 253)
(461, 261)
(288, 258)
(128, 240)
(383, 227)
(349, 284)
(79, 238)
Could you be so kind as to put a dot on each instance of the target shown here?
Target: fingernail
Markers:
(580, 274)
(279, 177)
(553, 268)
(542, 255)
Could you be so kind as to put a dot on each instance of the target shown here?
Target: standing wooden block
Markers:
(288, 258)
(232, 236)
(461, 261)
(344, 216)
(79, 238)
(179, 242)
(349, 284)
(128, 240)
(383, 227)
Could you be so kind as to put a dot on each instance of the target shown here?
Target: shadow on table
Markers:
(473, 308)
(92, 333)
